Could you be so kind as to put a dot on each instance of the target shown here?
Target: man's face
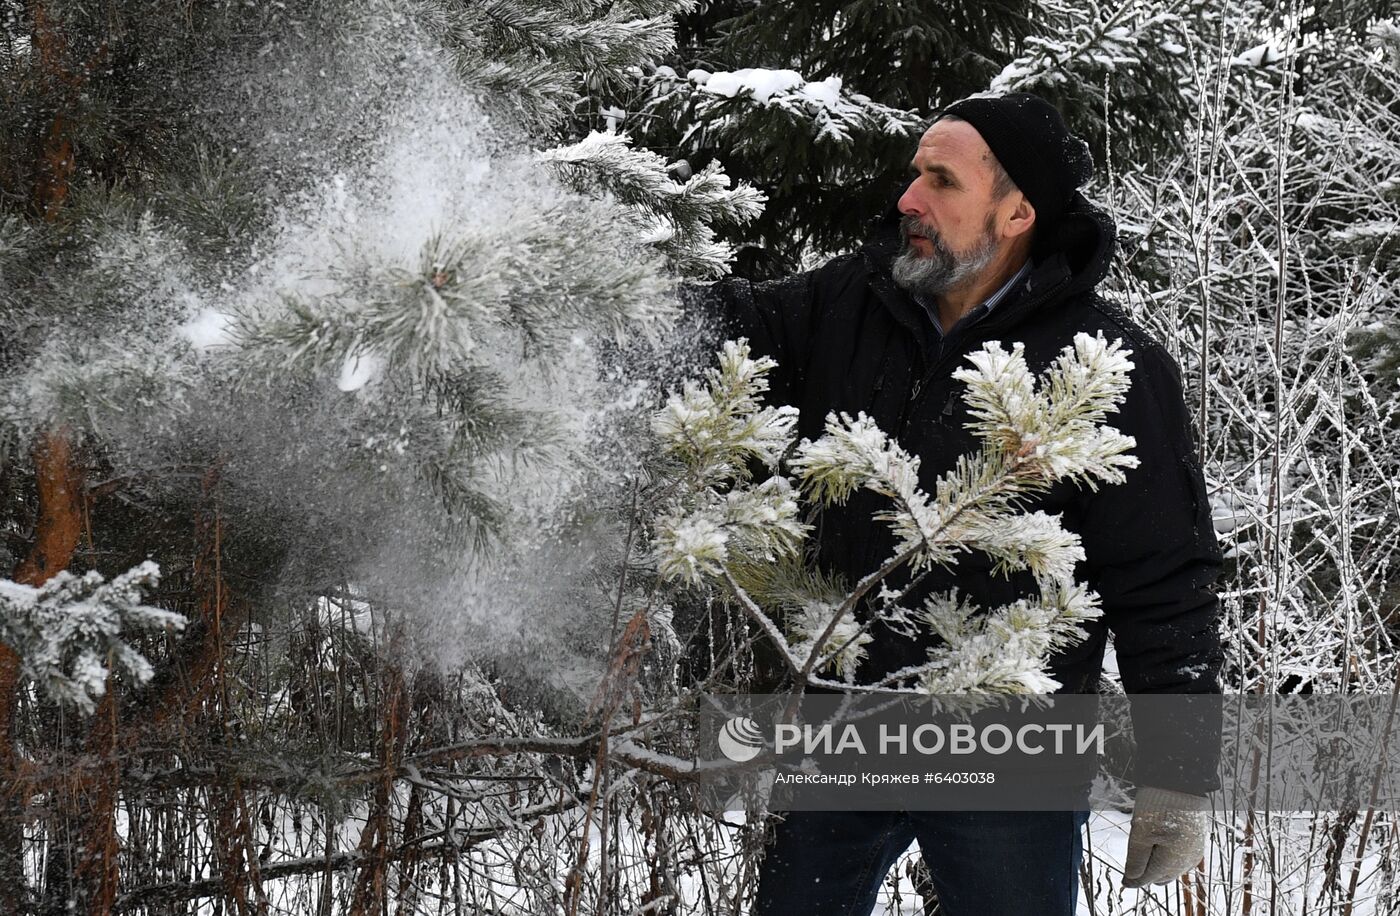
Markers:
(951, 213)
(942, 268)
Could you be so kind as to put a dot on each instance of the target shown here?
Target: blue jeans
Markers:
(983, 863)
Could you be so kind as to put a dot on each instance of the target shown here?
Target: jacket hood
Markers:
(1080, 246)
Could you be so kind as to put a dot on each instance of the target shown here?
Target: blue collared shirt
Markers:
(978, 313)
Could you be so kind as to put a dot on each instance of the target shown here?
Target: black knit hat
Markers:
(1030, 140)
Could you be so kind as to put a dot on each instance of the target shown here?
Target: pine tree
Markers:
(307, 312)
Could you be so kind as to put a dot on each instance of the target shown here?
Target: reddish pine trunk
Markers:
(372, 880)
(56, 533)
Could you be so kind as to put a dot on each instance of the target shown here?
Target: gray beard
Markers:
(927, 276)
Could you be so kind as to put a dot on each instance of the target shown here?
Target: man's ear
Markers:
(1021, 220)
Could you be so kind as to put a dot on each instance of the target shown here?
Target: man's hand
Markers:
(1167, 837)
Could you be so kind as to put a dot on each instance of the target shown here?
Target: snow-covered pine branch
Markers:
(742, 109)
(1035, 432)
(543, 275)
(820, 628)
(1053, 428)
(675, 216)
(713, 432)
(69, 632)
(715, 429)
(533, 57)
(1004, 650)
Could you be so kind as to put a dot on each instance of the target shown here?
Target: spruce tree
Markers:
(820, 105)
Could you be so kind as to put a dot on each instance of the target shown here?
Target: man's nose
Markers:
(909, 203)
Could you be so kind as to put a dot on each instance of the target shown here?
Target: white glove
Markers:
(1167, 838)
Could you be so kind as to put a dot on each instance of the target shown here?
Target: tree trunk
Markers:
(372, 882)
(56, 533)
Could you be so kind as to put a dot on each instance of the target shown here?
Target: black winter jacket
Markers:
(847, 339)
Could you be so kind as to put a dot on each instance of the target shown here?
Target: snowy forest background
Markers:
(333, 335)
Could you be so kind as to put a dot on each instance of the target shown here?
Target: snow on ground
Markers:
(1105, 851)
(497, 880)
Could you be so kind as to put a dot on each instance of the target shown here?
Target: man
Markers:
(995, 242)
